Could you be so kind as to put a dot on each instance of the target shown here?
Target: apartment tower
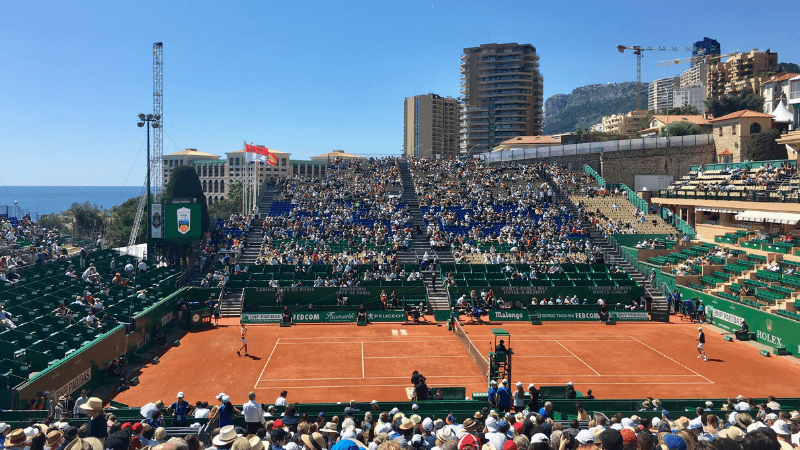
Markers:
(501, 95)
(430, 126)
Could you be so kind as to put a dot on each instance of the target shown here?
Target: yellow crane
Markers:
(706, 59)
(637, 50)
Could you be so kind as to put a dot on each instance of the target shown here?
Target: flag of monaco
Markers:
(272, 159)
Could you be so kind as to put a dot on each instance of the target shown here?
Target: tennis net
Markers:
(480, 362)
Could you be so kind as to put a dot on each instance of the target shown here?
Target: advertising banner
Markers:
(261, 318)
(157, 221)
(386, 316)
(770, 329)
(571, 315)
(324, 316)
(182, 219)
(511, 315)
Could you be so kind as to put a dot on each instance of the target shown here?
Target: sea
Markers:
(40, 200)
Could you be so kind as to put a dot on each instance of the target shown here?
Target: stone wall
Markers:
(620, 167)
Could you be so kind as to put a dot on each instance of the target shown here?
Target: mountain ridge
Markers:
(586, 105)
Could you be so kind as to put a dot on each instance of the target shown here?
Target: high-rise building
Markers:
(430, 126)
(660, 93)
(501, 95)
(740, 73)
(706, 47)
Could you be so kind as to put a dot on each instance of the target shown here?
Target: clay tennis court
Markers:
(329, 363)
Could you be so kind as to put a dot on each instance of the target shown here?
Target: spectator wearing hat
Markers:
(5, 429)
(226, 412)
(570, 391)
(781, 428)
(493, 432)
(180, 410)
(253, 414)
(15, 439)
(468, 442)
(672, 442)
(533, 401)
(519, 397)
(313, 441)
(53, 440)
(98, 424)
(70, 433)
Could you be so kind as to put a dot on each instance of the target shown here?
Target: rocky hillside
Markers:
(587, 105)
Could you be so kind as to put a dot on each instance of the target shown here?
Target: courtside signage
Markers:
(261, 318)
(325, 317)
(516, 315)
(577, 316)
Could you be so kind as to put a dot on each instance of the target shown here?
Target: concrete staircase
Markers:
(660, 307)
(438, 299)
(231, 303)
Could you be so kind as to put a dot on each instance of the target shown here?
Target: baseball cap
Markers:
(451, 419)
(585, 437)
(220, 395)
(321, 414)
(617, 426)
(278, 424)
(519, 383)
(180, 394)
(700, 329)
(493, 382)
(781, 427)
(530, 386)
(539, 437)
(226, 399)
(3, 427)
(137, 428)
(466, 440)
(695, 424)
(427, 424)
(771, 416)
(674, 442)
(504, 381)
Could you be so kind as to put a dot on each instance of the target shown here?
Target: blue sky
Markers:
(302, 77)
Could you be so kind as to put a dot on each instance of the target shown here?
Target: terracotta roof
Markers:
(725, 152)
(745, 113)
(336, 154)
(546, 140)
(192, 152)
(694, 118)
(782, 77)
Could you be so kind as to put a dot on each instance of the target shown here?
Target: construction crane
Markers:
(158, 150)
(694, 59)
(637, 50)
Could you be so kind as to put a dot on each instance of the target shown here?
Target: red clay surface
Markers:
(331, 363)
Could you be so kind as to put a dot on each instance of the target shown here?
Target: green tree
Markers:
(231, 203)
(681, 128)
(763, 146)
(121, 226)
(184, 183)
(727, 104)
(88, 217)
(52, 221)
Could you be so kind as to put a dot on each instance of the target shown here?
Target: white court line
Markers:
(406, 385)
(541, 356)
(610, 376)
(369, 341)
(362, 360)
(383, 378)
(416, 357)
(576, 356)
(265, 364)
(676, 362)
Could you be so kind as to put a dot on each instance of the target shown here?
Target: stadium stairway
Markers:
(437, 294)
(659, 306)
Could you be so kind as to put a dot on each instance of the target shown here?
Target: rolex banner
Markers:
(157, 221)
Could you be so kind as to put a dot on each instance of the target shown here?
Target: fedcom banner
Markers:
(566, 315)
(326, 317)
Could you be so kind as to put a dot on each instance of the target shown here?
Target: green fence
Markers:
(262, 300)
(597, 178)
(630, 240)
(524, 294)
(770, 329)
(85, 367)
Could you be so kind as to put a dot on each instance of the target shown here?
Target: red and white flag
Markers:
(272, 159)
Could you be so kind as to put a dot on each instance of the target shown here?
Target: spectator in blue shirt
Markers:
(493, 394)
(180, 411)
(545, 410)
(504, 397)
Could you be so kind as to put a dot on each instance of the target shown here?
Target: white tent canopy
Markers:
(770, 217)
(781, 113)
